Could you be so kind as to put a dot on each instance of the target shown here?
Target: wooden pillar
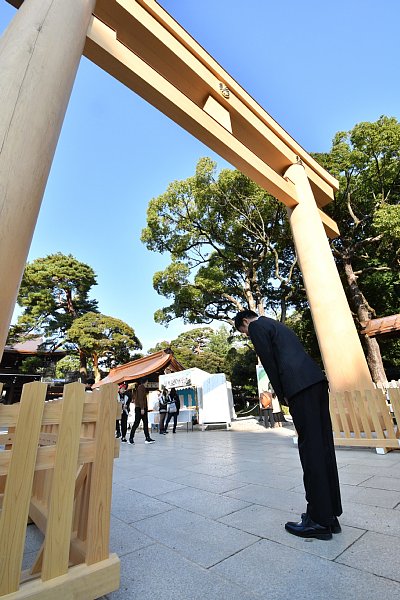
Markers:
(341, 350)
(39, 56)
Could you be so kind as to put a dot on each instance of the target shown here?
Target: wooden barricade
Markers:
(56, 470)
(366, 419)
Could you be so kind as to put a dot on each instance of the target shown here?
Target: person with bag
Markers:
(266, 409)
(126, 401)
(173, 407)
(163, 400)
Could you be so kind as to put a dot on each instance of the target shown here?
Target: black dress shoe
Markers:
(335, 525)
(306, 528)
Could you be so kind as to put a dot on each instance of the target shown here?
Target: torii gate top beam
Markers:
(142, 46)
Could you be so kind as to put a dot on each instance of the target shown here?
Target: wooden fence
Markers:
(368, 418)
(56, 463)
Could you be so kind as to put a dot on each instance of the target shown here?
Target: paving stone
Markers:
(159, 572)
(370, 496)
(33, 539)
(374, 553)
(202, 502)
(271, 497)
(125, 539)
(270, 523)
(201, 540)
(208, 483)
(284, 573)
(130, 506)
(368, 470)
(219, 471)
(372, 518)
(384, 483)
(152, 486)
(270, 478)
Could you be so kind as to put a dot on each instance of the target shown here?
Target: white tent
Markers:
(212, 392)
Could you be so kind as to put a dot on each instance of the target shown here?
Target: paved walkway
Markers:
(200, 516)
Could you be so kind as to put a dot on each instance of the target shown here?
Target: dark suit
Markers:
(299, 382)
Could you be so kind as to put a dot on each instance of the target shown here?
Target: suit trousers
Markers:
(310, 411)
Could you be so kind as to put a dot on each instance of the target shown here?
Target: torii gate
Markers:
(141, 45)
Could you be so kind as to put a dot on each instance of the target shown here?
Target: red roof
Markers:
(142, 367)
(383, 326)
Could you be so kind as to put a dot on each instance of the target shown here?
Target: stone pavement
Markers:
(200, 516)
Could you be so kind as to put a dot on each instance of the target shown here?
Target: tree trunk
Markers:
(83, 366)
(96, 370)
(374, 360)
(364, 314)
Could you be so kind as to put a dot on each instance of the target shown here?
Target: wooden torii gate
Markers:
(141, 45)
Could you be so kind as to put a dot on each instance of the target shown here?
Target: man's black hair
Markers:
(244, 314)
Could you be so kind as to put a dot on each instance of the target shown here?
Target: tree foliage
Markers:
(53, 292)
(366, 160)
(106, 340)
(229, 244)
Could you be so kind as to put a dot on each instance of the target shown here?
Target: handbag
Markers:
(266, 399)
(171, 408)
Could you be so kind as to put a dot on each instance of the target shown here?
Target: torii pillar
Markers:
(340, 346)
(39, 57)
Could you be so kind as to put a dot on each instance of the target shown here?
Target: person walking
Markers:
(173, 407)
(141, 410)
(126, 401)
(299, 383)
(162, 409)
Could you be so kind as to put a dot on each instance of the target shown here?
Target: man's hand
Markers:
(142, 411)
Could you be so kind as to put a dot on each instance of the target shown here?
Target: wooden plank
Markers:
(363, 413)
(38, 512)
(371, 401)
(352, 414)
(341, 405)
(14, 514)
(98, 531)
(394, 398)
(333, 412)
(58, 532)
(80, 583)
(367, 442)
(385, 416)
(9, 414)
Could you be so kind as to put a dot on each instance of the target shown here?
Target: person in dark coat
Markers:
(125, 401)
(173, 407)
(162, 409)
(300, 384)
(141, 411)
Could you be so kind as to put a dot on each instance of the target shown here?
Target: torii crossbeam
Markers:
(141, 45)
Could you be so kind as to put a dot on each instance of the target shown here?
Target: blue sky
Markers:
(316, 67)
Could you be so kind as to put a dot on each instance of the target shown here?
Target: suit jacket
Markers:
(288, 366)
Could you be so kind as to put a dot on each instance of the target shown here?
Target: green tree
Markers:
(54, 291)
(366, 160)
(104, 339)
(67, 366)
(230, 247)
